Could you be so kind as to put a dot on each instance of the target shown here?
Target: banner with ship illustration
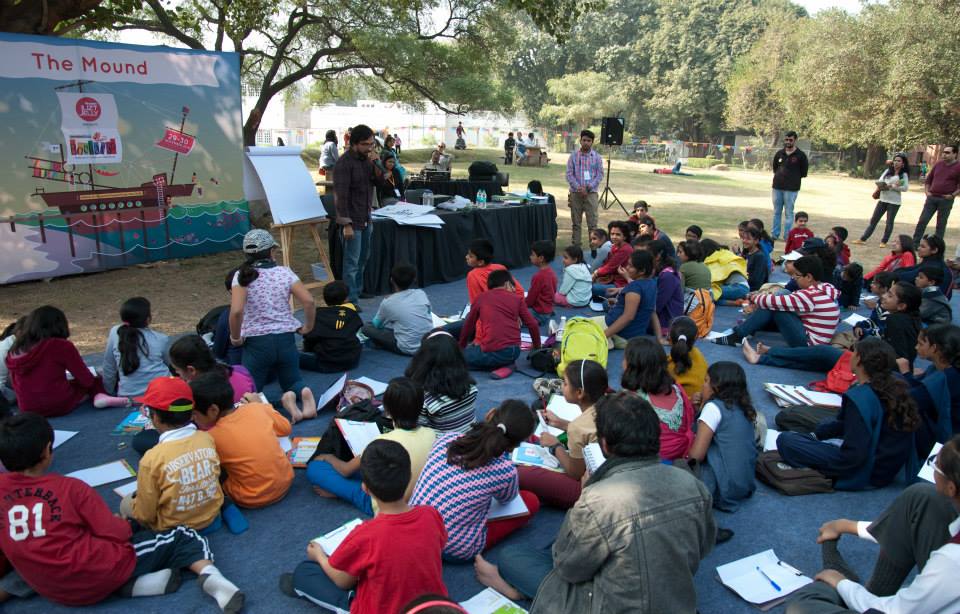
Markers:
(116, 155)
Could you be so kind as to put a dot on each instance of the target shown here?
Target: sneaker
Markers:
(883, 244)
(858, 242)
(724, 535)
(726, 340)
(501, 373)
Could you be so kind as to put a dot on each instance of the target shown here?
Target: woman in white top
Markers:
(895, 180)
(329, 154)
(261, 320)
(920, 528)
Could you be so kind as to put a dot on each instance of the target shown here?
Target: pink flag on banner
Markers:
(177, 141)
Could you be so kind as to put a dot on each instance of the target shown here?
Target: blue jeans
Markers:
(524, 568)
(356, 252)
(310, 581)
(805, 450)
(321, 473)
(783, 199)
(543, 319)
(820, 358)
(787, 322)
(278, 352)
(487, 361)
(600, 290)
(733, 292)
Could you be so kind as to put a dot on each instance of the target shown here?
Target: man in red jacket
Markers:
(65, 544)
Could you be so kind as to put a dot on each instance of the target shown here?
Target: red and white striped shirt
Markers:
(816, 306)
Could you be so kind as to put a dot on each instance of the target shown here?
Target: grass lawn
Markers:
(182, 291)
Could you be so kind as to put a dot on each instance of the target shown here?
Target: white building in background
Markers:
(300, 125)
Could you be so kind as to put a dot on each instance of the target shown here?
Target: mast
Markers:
(183, 122)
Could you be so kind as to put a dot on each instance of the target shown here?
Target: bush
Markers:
(702, 162)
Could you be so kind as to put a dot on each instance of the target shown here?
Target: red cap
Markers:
(168, 394)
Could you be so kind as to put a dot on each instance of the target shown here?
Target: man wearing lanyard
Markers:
(584, 173)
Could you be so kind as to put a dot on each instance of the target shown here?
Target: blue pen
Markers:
(770, 580)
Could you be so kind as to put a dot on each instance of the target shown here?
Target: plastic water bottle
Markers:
(563, 324)
(482, 198)
(427, 198)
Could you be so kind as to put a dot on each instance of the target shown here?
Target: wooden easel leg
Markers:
(321, 249)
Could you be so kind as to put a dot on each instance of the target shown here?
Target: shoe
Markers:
(501, 373)
(286, 585)
(730, 340)
(883, 244)
(858, 242)
(724, 535)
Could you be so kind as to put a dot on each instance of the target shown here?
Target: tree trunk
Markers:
(252, 123)
(876, 158)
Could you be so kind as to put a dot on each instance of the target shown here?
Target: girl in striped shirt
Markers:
(465, 473)
(450, 394)
(808, 316)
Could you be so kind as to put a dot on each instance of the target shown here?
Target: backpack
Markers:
(773, 471)
(839, 378)
(208, 323)
(543, 360)
(333, 442)
(698, 305)
(583, 339)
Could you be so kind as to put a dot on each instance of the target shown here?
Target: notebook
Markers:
(135, 422)
(331, 392)
(593, 457)
(512, 509)
(126, 489)
(490, 601)
(358, 434)
(787, 396)
(532, 455)
(753, 579)
(302, 450)
(332, 540)
(926, 470)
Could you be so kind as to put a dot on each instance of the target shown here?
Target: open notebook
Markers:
(762, 579)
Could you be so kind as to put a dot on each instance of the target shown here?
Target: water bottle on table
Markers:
(482, 198)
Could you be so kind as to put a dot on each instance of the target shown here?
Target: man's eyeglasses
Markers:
(932, 463)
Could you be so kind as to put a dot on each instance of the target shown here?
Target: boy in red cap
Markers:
(178, 483)
(66, 545)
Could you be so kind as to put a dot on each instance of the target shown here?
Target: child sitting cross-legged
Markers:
(686, 363)
(584, 382)
(465, 473)
(402, 401)
(576, 286)
(332, 345)
(134, 355)
(385, 562)
(543, 285)
(258, 472)
(64, 543)
(403, 317)
(190, 496)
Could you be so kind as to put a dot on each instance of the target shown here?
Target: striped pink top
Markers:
(816, 306)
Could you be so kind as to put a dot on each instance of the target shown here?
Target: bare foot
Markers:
(309, 404)
(289, 402)
(749, 353)
(762, 349)
(324, 493)
(489, 575)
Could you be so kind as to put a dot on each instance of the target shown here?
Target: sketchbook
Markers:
(855, 318)
(532, 455)
(490, 601)
(358, 434)
(762, 579)
(786, 396)
(302, 451)
(135, 422)
(104, 474)
(332, 540)
(331, 393)
(593, 457)
(512, 509)
(126, 489)
(926, 470)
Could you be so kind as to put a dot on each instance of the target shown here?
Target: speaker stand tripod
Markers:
(605, 201)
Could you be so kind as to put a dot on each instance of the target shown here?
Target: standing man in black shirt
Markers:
(789, 167)
(508, 146)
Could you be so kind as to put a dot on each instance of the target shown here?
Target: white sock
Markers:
(151, 584)
(228, 596)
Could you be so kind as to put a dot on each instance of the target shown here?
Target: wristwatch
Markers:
(553, 448)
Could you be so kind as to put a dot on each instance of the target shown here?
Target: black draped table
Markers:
(438, 254)
(454, 187)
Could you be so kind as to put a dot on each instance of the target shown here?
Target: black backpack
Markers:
(208, 323)
(333, 442)
(482, 169)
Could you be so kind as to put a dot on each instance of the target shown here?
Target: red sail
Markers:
(174, 140)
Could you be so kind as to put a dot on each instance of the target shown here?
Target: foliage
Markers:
(580, 97)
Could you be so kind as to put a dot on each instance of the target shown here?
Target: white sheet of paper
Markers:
(331, 392)
(543, 427)
(437, 320)
(490, 601)
(926, 471)
(332, 540)
(126, 489)
(854, 318)
(593, 457)
(714, 334)
(104, 474)
(285, 444)
(527, 338)
(770, 442)
(514, 507)
(559, 406)
(744, 579)
(61, 437)
(378, 386)
(358, 434)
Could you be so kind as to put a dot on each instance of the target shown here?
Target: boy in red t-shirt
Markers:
(543, 286)
(65, 544)
(388, 560)
(479, 257)
(799, 233)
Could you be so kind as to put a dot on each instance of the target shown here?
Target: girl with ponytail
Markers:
(134, 355)
(876, 424)
(466, 472)
(685, 362)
